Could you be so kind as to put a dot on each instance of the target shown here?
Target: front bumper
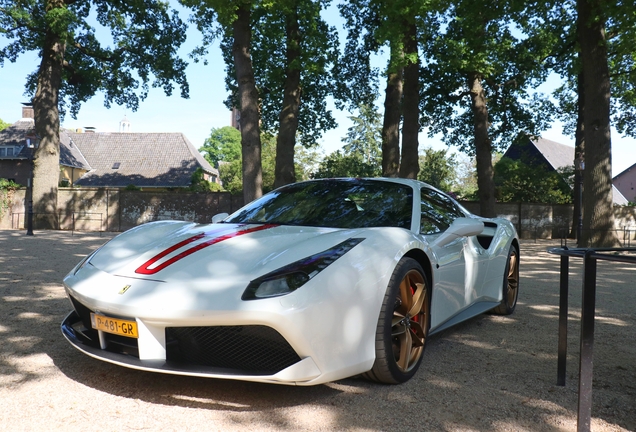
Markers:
(250, 353)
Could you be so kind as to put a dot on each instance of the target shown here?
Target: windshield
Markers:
(337, 203)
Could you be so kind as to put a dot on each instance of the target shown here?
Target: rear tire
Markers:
(403, 325)
(510, 284)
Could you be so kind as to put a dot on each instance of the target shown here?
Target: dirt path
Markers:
(489, 374)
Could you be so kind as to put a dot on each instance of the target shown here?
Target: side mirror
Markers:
(461, 227)
(219, 217)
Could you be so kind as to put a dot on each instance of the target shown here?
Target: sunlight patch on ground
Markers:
(545, 308)
(326, 415)
(34, 365)
(611, 321)
(402, 397)
(54, 291)
(345, 388)
(541, 272)
(23, 342)
(208, 401)
(442, 383)
(33, 315)
(16, 298)
(511, 425)
(477, 344)
(50, 293)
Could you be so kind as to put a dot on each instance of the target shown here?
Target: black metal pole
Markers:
(30, 219)
(30, 205)
(579, 228)
(587, 343)
(563, 320)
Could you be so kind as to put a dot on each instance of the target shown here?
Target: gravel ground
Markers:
(488, 374)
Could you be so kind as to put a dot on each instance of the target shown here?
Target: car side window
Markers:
(438, 212)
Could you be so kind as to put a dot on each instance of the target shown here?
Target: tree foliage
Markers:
(223, 144)
(230, 170)
(233, 22)
(316, 52)
(599, 75)
(478, 79)
(75, 64)
(200, 184)
(361, 154)
(340, 164)
(398, 26)
(293, 51)
(438, 168)
(364, 137)
(518, 182)
(139, 53)
(4, 125)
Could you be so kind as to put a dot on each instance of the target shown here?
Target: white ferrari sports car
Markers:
(313, 282)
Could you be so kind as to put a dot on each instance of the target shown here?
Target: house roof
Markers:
(617, 176)
(15, 135)
(70, 155)
(619, 198)
(558, 155)
(541, 151)
(142, 159)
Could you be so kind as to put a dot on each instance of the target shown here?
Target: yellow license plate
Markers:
(115, 326)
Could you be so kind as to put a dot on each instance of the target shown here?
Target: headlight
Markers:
(291, 277)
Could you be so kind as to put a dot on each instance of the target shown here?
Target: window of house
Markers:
(9, 151)
(3, 152)
(116, 165)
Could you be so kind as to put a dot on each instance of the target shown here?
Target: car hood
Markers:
(170, 250)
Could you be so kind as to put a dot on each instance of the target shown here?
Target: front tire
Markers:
(510, 284)
(403, 325)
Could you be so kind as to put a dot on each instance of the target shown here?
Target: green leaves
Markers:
(496, 42)
(518, 182)
(223, 145)
(141, 52)
(60, 20)
(438, 169)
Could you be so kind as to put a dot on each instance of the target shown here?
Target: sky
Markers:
(204, 110)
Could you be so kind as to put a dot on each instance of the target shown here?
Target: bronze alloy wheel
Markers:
(411, 311)
(402, 325)
(510, 291)
(513, 279)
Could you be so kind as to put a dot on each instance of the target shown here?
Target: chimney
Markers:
(27, 110)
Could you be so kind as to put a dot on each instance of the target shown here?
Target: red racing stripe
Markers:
(144, 268)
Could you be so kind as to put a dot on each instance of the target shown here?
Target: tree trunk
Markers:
(285, 171)
(392, 114)
(579, 150)
(248, 106)
(598, 212)
(409, 166)
(46, 173)
(483, 147)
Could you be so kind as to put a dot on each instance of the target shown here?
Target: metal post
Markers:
(563, 320)
(31, 141)
(30, 208)
(587, 343)
(579, 228)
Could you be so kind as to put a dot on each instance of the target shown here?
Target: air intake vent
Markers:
(255, 350)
